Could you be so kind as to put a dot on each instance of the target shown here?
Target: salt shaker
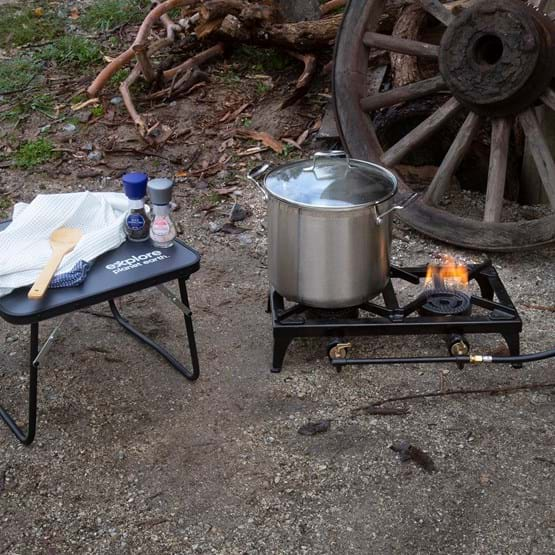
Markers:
(162, 228)
(136, 223)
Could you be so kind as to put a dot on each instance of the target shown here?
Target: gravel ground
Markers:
(131, 458)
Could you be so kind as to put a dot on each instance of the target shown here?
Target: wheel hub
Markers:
(498, 56)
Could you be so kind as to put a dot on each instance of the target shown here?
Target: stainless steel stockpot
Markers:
(329, 228)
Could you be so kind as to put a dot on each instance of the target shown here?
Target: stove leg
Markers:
(280, 348)
(513, 342)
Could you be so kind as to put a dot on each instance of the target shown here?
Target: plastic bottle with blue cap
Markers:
(136, 223)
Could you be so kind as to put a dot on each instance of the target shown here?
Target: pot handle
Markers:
(403, 204)
(258, 172)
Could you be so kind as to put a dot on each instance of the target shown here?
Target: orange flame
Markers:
(448, 274)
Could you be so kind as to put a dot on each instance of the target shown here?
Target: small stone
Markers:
(69, 128)
(238, 213)
(120, 455)
(201, 184)
(84, 116)
(11, 338)
(245, 239)
(95, 156)
(214, 227)
(45, 128)
(87, 147)
(223, 174)
(116, 100)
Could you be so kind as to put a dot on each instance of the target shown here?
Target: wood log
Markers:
(405, 68)
(303, 36)
(218, 9)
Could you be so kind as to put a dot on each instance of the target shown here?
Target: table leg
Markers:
(182, 369)
(27, 437)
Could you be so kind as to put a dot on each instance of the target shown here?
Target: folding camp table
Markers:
(131, 267)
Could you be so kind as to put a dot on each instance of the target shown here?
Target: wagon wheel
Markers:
(495, 61)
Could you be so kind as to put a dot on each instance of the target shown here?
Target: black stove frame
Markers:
(290, 322)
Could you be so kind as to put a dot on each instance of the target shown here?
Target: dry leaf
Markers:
(266, 138)
(74, 13)
(38, 12)
(292, 143)
(303, 137)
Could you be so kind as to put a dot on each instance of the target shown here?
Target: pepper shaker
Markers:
(136, 224)
(162, 228)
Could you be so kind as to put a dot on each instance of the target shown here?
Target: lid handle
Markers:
(331, 154)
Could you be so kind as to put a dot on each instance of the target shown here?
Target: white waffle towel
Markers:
(25, 246)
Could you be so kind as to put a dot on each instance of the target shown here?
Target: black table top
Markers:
(131, 267)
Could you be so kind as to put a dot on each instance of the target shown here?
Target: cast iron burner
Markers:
(440, 302)
(435, 313)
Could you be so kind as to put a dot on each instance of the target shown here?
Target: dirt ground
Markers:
(131, 458)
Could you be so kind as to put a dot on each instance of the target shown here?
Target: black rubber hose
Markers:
(468, 359)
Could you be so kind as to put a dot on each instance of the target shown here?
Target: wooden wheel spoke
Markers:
(548, 98)
(400, 45)
(422, 132)
(402, 94)
(540, 152)
(457, 151)
(497, 175)
(438, 10)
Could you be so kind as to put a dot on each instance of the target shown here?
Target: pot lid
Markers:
(331, 180)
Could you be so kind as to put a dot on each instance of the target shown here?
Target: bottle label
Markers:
(160, 227)
(135, 222)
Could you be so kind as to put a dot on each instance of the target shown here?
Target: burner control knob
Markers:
(336, 349)
(458, 345)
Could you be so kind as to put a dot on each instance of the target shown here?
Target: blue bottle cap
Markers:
(134, 185)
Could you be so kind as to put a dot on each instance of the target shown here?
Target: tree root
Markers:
(228, 21)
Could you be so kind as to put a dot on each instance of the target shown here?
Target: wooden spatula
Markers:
(62, 241)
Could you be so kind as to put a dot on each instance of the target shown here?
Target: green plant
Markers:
(107, 14)
(246, 122)
(97, 111)
(17, 73)
(43, 103)
(20, 26)
(5, 205)
(72, 50)
(34, 153)
(262, 87)
(119, 77)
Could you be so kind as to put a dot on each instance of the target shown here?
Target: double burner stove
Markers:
(453, 314)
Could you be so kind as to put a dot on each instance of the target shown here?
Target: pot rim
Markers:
(388, 173)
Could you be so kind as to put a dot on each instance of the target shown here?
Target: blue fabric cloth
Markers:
(76, 276)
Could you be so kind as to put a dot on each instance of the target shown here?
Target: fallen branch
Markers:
(125, 57)
(493, 391)
(306, 78)
(302, 36)
(540, 307)
(196, 60)
(181, 85)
